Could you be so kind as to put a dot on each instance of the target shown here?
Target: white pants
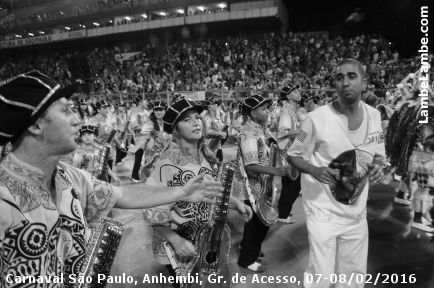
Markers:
(336, 249)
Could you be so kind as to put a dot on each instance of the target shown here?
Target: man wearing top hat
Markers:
(254, 160)
(88, 154)
(46, 205)
(105, 123)
(288, 128)
(138, 116)
(215, 128)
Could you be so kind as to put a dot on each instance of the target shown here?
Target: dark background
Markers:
(398, 21)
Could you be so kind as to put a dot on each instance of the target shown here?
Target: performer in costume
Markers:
(156, 140)
(123, 127)
(397, 136)
(289, 126)
(186, 157)
(45, 205)
(408, 151)
(139, 116)
(255, 155)
(215, 126)
(88, 153)
(140, 113)
(105, 123)
(421, 169)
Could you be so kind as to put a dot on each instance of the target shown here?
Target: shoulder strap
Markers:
(252, 199)
(171, 256)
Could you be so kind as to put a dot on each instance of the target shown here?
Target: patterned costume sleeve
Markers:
(6, 216)
(97, 197)
(159, 215)
(249, 147)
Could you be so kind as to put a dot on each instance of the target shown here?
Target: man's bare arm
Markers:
(145, 196)
(302, 165)
(322, 174)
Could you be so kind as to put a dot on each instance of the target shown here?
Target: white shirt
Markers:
(324, 136)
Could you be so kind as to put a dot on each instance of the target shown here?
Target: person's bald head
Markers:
(371, 100)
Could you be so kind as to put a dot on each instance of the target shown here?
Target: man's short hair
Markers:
(354, 62)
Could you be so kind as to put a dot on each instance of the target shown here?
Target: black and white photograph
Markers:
(216, 144)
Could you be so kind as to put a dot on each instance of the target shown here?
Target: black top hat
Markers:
(24, 98)
(253, 102)
(159, 105)
(205, 104)
(214, 100)
(285, 91)
(102, 104)
(82, 102)
(89, 129)
(175, 112)
(306, 98)
(316, 99)
(176, 97)
(137, 99)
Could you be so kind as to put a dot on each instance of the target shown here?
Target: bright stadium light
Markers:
(163, 14)
(18, 36)
(145, 16)
(31, 34)
(201, 8)
(95, 23)
(67, 28)
(180, 11)
(41, 32)
(128, 18)
(221, 5)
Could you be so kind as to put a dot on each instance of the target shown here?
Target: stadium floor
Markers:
(394, 247)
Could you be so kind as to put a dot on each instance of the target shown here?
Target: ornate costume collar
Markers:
(21, 168)
(178, 157)
(27, 172)
(255, 125)
(26, 183)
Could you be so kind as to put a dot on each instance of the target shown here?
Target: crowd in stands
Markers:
(93, 7)
(265, 62)
(90, 8)
(54, 65)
